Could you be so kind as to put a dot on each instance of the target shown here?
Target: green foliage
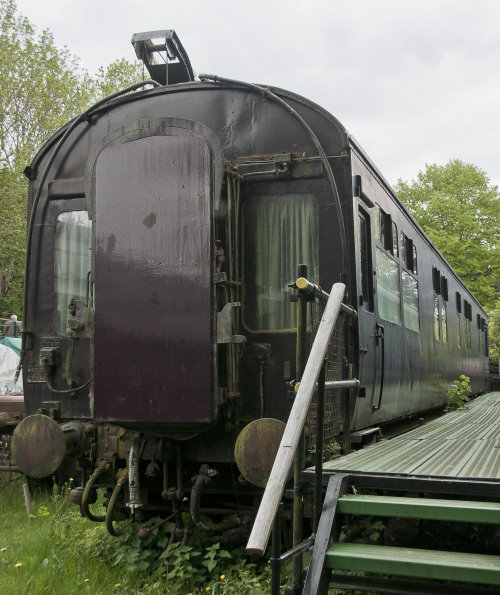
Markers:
(458, 393)
(494, 330)
(116, 76)
(362, 529)
(64, 553)
(331, 450)
(47, 556)
(460, 212)
(42, 86)
(12, 242)
(35, 76)
(182, 568)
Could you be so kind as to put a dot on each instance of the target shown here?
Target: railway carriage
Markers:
(166, 228)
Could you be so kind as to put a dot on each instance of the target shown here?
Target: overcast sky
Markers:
(414, 82)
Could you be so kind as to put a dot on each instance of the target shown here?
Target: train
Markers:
(167, 226)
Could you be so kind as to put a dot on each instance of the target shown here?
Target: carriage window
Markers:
(481, 325)
(376, 220)
(365, 261)
(388, 291)
(408, 253)
(279, 233)
(395, 246)
(72, 262)
(440, 319)
(436, 318)
(444, 324)
(410, 302)
(468, 334)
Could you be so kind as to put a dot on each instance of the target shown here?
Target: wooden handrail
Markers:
(273, 493)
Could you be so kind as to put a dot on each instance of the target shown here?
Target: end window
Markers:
(279, 233)
(72, 263)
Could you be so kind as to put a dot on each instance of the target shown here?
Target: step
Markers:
(430, 564)
(420, 508)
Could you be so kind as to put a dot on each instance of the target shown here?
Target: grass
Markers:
(62, 553)
(58, 553)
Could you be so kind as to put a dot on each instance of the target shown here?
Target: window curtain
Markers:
(279, 233)
(72, 262)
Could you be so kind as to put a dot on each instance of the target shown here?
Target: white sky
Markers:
(415, 82)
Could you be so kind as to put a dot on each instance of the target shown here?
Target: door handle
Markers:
(379, 336)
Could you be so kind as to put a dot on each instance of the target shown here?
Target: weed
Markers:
(179, 568)
(331, 450)
(63, 553)
(362, 529)
(458, 393)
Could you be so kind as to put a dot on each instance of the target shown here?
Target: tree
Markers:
(494, 330)
(12, 241)
(41, 87)
(117, 75)
(460, 212)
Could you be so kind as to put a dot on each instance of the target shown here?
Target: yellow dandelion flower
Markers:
(3, 549)
(86, 580)
(207, 589)
(18, 564)
(222, 577)
(117, 585)
(71, 479)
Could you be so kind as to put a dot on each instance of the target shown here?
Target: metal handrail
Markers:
(312, 289)
(271, 499)
(336, 384)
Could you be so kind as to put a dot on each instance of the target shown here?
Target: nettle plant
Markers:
(458, 393)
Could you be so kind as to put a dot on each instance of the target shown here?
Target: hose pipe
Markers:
(102, 467)
(122, 477)
(200, 481)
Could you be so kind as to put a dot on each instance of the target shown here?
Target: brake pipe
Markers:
(102, 466)
(122, 476)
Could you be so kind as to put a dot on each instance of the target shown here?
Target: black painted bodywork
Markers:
(150, 169)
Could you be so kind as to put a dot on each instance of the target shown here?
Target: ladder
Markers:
(403, 570)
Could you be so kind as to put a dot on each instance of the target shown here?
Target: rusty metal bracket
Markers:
(225, 325)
